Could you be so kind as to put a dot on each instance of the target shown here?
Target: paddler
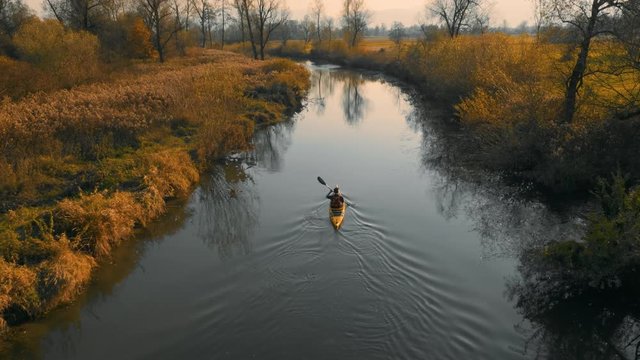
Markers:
(336, 197)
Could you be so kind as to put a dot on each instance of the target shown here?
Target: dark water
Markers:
(250, 267)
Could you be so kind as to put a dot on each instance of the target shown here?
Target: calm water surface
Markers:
(250, 267)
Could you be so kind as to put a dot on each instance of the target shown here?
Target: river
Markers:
(249, 266)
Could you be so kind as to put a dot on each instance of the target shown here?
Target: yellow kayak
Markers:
(336, 215)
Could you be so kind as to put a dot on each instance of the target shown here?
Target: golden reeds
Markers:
(82, 168)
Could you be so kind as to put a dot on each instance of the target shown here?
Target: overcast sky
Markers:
(406, 11)
(410, 11)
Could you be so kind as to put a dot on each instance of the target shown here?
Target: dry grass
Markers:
(17, 289)
(97, 222)
(65, 274)
(83, 167)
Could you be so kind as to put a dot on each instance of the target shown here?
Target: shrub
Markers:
(71, 57)
(97, 222)
(17, 293)
(19, 78)
(513, 107)
(170, 173)
(64, 274)
(139, 40)
(608, 250)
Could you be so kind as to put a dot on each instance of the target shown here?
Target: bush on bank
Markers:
(606, 257)
(84, 167)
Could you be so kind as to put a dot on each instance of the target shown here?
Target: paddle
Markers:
(321, 181)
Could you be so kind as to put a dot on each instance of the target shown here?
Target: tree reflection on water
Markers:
(269, 145)
(561, 319)
(229, 201)
(354, 104)
(323, 86)
(229, 209)
(569, 322)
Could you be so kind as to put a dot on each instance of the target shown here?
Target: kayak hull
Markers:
(336, 216)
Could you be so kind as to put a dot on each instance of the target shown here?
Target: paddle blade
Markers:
(321, 181)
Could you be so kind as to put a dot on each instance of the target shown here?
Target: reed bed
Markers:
(84, 167)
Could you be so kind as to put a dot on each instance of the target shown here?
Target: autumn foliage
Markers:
(69, 57)
(139, 40)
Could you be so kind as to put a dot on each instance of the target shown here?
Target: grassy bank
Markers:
(84, 167)
(507, 95)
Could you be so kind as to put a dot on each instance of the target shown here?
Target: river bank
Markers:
(506, 95)
(85, 167)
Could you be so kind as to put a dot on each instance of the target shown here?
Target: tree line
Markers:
(170, 26)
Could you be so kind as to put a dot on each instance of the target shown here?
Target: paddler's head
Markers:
(336, 190)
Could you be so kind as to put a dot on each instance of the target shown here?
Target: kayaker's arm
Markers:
(329, 194)
(346, 201)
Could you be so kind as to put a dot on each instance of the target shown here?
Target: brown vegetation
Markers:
(83, 167)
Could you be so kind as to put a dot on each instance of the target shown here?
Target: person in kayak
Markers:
(336, 197)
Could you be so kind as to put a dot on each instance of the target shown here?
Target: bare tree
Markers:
(308, 28)
(238, 6)
(78, 14)
(267, 17)
(542, 12)
(455, 14)
(481, 20)
(397, 33)
(115, 9)
(285, 31)
(247, 7)
(179, 23)
(203, 12)
(211, 23)
(188, 11)
(355, 18)
(590, 18)
(157, 14)
(317, 10)
(328, 28)
(13, 13)
(224, 15)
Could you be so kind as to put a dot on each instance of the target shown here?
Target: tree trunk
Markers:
(223, 15)
(159, 42)
(251, 37)
(575, 80)
(354, 38)
(262, 42)
(85, 17)
(203, 31)
(242, 32)
(318, 28)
